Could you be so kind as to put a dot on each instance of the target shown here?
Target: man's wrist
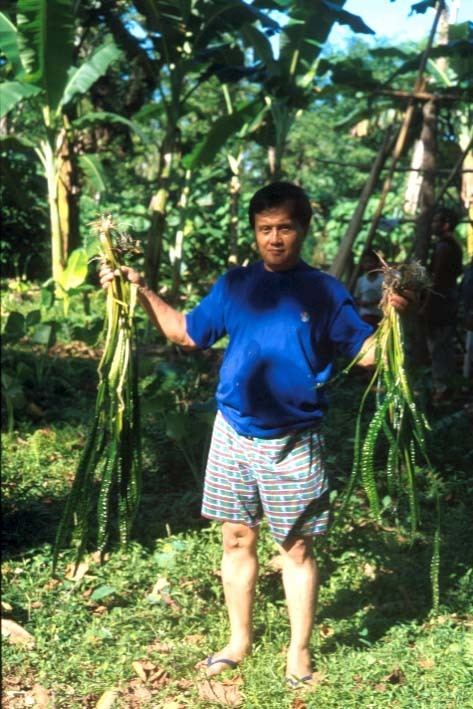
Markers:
(142, 286)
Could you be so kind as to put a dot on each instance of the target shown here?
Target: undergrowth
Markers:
(141, 621)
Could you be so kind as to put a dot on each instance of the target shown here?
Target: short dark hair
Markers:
(447, 216)
(276, 194)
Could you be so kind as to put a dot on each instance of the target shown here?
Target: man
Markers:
(286, 321)
(369, 288)
(441, 306)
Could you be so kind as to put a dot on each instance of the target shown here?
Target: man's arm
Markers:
(171, 322)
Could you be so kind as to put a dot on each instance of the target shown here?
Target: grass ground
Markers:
(130, 631)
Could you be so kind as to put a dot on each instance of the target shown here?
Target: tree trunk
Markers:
(158, 207)
(342, 258)
(176, 252)
(67, 195)
(48, 159)
(428, 137)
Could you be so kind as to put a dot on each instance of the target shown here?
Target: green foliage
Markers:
(45, 40)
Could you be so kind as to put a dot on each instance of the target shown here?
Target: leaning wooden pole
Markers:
(339, 264)
(401, 138)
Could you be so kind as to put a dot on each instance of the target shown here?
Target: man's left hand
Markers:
(403, 302)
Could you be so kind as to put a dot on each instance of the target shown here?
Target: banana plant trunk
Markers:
(48, 158)
(67, 195)
(159, 201)
(177, 251)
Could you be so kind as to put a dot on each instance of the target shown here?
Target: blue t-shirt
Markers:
(285, 329)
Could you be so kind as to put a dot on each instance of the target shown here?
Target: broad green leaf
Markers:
(45, 38)
(44, 335)
(343, 17)
(93, 169)
(12, 92)
(223, 128)
(90, 119)
(421, 7)
(75, 272)
(89, 71)
(9, 43)
(33, 318)
(102, 592)
(15, 327)
(16, 142)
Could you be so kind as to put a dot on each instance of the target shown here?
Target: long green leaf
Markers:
(223, 128)
(93, 169)
(45, 38)
(12, 92)
(9, 43)
(89, 71)
(93, 118)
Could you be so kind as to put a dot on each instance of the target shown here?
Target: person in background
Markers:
(440, 309)
(467, 298)
(369, 289)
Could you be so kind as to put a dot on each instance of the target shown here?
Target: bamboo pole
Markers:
(341, 259)
(401, 138)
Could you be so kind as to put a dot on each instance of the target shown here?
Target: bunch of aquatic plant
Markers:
(111, 458)
(396, 416)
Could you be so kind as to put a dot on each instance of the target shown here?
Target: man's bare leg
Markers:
(239, 575)
(300, 580)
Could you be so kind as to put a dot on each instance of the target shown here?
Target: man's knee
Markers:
(238, 537)
(298, 550)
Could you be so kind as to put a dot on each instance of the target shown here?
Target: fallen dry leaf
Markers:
(195, 639)
(139, 669)
(184, 684)
(6, 607)
(172, 705)
(298, 703)
(159, 585)
(426, 664)
(227, 695)
(15, 634)
(380, 687)
(41, 696)
(326, 631)
(76, 573)
(369, 571)
(159, 646)
(108, 699)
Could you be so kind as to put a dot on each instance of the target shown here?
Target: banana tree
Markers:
(192, 41)
(289, 81)
(39, 52)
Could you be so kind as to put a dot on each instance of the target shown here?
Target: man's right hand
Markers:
(107, 274)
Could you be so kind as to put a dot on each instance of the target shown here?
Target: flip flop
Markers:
(231, 663)
(298, 682)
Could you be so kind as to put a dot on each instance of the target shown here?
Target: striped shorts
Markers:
(283, 478)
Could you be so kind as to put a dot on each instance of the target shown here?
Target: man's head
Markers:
(444, 221)
(280, 215)
(369, 261)
(278, 194)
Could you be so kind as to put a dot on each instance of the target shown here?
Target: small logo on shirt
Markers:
(305, 317)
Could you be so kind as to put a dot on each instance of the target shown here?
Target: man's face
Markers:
(279, 238)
